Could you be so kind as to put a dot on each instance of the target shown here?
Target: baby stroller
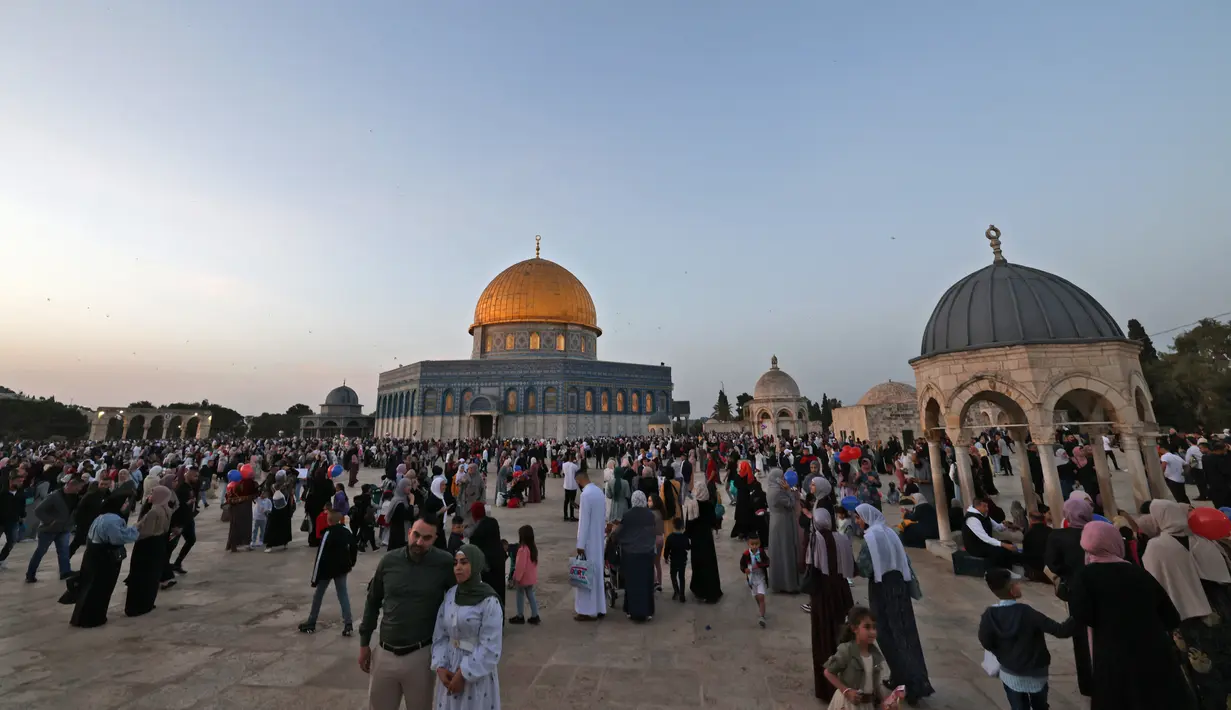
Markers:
(611, 571)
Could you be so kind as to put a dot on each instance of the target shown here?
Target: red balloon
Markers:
(1209, 523)
(246, 470)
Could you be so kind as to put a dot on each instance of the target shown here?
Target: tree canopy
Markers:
(41, 419)
(268, 425)
(1191, 384)
(722, 410)
(743, 399)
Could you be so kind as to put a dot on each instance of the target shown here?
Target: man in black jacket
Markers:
(12, 510)
(334, 559)
(1013, 633)
(1216, 464)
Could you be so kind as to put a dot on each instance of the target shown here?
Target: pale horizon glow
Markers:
(250, 203)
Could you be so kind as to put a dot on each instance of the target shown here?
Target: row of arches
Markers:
(139, 426)
(332, 427)
(529, 400)
(1079, 402)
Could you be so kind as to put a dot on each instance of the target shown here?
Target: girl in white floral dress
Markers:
(467, 641)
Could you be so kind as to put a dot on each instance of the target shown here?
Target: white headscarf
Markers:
(438, 487)
(883, 544)
(609, 471)
(1180, 571)
(639, 500)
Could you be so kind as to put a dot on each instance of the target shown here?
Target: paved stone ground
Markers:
(225, 637)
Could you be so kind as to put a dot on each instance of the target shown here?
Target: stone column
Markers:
(1154, 468)
(145, 434)
(935, 457)
(1021, 464)
(1136, 469)
(1051, 476)
(966, 479)
(1103, 471)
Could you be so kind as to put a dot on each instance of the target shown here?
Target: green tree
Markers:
(814, 411)
(143, 404)
(1191, 385)
(298, 410)
(826, 417)
(1138, 333)
(722, 410)
(40, 418)
(743, 399)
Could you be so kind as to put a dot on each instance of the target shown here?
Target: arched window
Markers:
(430, 402)
(410, 405)
(534, 341)
(466, 397)
(487, 343)
(605, 401)
(636, 402)
(620, 401)
(649, 402)
(510, 401)
(508, 342)
(549, 400)
(560, 342)
(583, 343)
(589, 400)
(448, 402)
(572, 399)
(531, 401)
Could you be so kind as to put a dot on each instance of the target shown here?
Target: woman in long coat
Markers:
(535, 482)
(320, 492)
(486, 537)
(1194, 573)
(239, 505)
(883, 560)
(149, 556)
(783, 540)
(635, 534)
(1132, 619)
(705, 584)
(467, 639)
(744, 522)
(615, 488)
(1065, 558)
(832, 563)
(100, 565)
(279, 522)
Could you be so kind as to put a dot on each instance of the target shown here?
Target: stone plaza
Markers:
(225, 637)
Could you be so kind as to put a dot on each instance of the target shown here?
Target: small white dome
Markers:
(775, 384)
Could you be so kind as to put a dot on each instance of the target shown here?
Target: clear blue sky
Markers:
(249, 202)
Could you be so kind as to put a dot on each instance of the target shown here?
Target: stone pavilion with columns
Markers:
(776, 408)
(340, 415)
(1042, 351)
(533, 371)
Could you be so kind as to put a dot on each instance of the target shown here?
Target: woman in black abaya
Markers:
(486, 537)
(705, 584)
(100, 565)
(280, 519)
(149, 558)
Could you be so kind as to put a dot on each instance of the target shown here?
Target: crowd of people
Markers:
(809, 519)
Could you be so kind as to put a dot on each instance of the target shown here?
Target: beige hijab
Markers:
(1173, 566)
(157, 519)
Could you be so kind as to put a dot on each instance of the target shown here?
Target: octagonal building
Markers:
(533, 371)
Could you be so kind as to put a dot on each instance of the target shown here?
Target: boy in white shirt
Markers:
(1173, 473)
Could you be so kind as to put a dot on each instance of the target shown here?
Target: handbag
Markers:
(719, 510)
(581, 573)
(304, 526)
(226, 513)
(807, 583)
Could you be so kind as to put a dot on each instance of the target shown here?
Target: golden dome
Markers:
(536, 291)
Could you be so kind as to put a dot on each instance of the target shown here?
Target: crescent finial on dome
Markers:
(993, 236)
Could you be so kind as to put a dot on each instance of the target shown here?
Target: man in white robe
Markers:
(591, 604)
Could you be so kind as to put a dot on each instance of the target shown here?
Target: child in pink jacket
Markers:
(526, 575)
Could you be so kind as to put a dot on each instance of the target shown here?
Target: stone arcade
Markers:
(533, 371)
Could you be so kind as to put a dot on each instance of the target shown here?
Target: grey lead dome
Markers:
(342, 395)
(1006, 304)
